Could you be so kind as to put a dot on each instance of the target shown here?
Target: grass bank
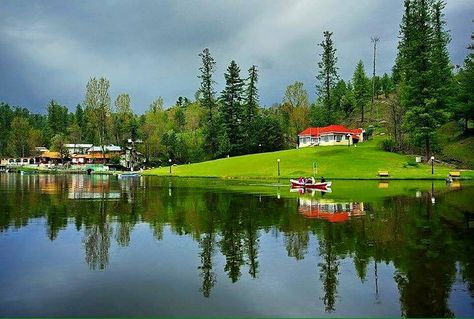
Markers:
(338, 162)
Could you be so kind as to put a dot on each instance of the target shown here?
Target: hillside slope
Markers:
(456, 146)
(361, 162)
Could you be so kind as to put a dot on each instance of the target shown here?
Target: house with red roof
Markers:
(330, 135)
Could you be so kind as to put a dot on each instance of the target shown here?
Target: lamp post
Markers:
(278, 163)
(260, 147)
(348, 140)
(170, 165)
(432, 165)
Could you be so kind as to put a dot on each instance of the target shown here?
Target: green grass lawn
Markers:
(333, 162)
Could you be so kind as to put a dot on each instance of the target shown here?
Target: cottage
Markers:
(330, 135)
(94, 158)
(77, 148)
(111, 149)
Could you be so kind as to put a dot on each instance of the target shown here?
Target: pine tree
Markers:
(251, 108)
(208, 100)
(57, 118)
(251, 95)
(418, 88)
(361, 89)
(327, 75)
(441, 74)
(404, 42)
(386, 84)
(465, 93)
(232, 108)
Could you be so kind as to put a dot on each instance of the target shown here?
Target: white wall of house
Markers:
(325, 140)
(306, 141)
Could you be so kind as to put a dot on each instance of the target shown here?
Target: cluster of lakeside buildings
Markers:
(80, 157)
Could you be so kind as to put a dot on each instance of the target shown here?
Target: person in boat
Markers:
(301, 180)
(323, 180)
(449, 179)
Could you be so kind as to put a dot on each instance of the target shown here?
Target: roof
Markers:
(317, 131)
(49, 154)
(78, 145)
(107, 148)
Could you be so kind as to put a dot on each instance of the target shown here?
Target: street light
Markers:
(348, 140)
(170, 165)
(278, 163)
(432, 165)
(260, 147)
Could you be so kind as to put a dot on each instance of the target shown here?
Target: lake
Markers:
(78, 245)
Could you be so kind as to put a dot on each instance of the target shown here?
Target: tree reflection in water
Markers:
(427, 245)
(328, 268)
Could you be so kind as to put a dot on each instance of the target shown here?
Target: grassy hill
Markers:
(456, 146)
(337, 162)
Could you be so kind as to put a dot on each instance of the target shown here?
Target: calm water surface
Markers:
(94, 245)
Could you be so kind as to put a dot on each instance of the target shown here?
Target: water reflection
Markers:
(429, 247)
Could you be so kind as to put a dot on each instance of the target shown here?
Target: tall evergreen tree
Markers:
(404, 42)
(208, 100)
(418, 87)
(251, 109)
(327, 74)
(361, 89)
(57, 118)
(465, 94)
(6, 117)
(441, 73)
(251, 95)
(232, 108)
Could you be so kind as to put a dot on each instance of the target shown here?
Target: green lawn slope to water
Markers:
(333, 162)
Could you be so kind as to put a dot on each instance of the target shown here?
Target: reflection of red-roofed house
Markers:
(330, 211)
(335, 217)
(330, 135)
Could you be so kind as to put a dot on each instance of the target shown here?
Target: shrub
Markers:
(411, 162)
(388, 145)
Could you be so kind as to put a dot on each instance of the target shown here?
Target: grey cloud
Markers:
(150, 48)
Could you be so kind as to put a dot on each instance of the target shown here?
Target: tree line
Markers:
(423, 92)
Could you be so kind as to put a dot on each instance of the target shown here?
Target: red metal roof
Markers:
(316, 131)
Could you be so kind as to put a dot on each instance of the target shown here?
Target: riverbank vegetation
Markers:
(409, 106)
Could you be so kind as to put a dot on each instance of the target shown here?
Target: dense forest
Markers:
(423, 92)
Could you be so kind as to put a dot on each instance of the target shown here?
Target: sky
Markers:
(149, 49)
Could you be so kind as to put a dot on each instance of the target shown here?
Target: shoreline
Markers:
(274, 178)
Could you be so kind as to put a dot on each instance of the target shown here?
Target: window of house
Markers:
(338, 138)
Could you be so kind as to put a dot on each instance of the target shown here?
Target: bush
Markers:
(411, 162)
(388, 145)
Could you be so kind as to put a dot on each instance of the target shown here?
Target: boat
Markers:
(128, 175)
(296, 183)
